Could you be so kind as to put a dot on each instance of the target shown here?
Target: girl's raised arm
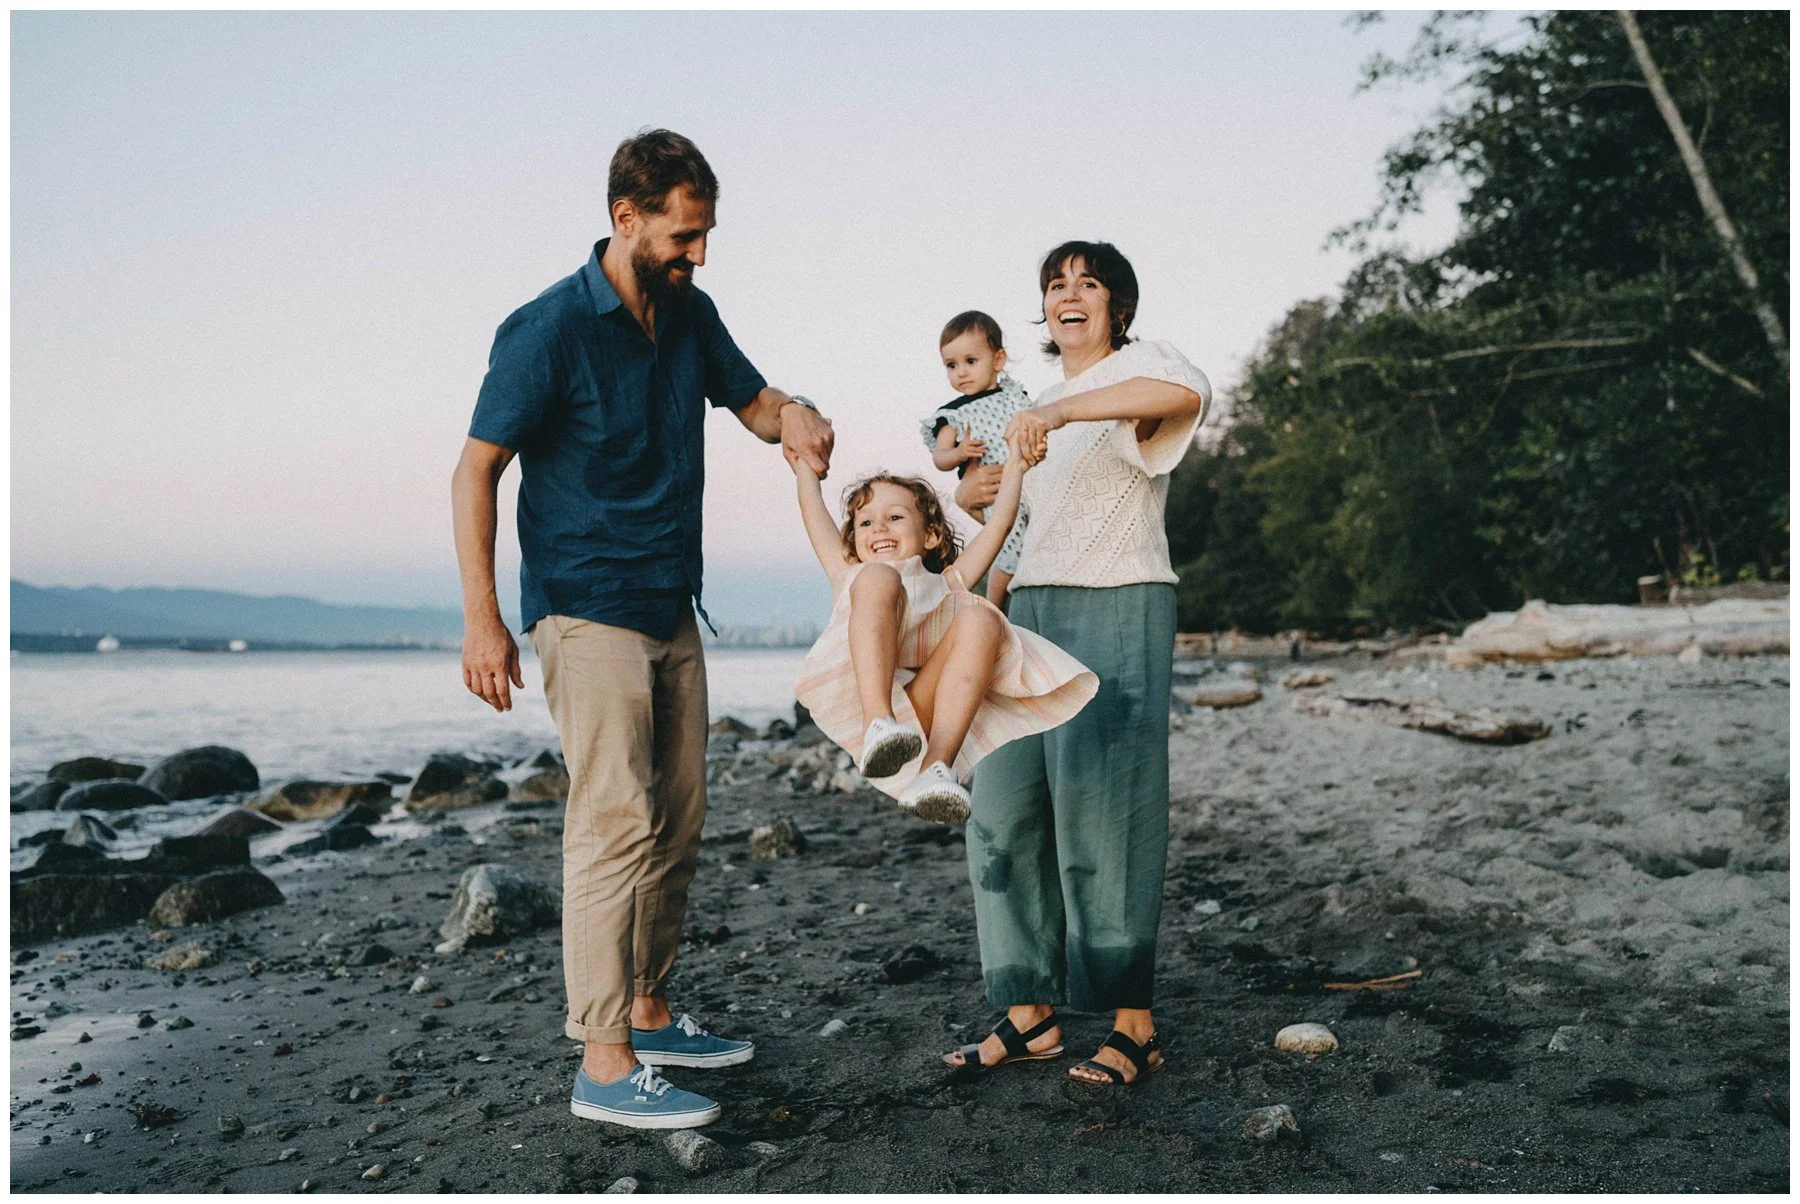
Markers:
(979, 555)
(827, 545)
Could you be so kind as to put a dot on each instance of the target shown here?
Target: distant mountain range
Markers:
(69, 617)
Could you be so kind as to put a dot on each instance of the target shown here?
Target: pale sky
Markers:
(258, 259)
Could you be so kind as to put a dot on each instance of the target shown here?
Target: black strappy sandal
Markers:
(1017, 1046)
(1139, 1055)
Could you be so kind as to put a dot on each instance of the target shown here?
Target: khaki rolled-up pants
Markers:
(631, 711)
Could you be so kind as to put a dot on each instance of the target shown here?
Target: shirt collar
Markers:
(599, 287)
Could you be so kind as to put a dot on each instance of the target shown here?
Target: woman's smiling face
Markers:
(1078, 310)
(889, 526)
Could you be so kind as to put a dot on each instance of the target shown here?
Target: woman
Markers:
(1070, 828)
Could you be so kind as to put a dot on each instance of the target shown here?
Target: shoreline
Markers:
(1600, 919)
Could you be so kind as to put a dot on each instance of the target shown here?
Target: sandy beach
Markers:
(1599, 922)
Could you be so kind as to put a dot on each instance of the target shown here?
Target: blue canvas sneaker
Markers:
(684, 1043)
(641, 1100)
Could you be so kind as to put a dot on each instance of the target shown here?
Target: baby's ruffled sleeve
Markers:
(1161, 452)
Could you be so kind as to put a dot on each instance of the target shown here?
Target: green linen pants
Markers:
(1069, 834)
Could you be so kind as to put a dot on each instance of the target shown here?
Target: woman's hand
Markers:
(979, 488)
(1032, 429)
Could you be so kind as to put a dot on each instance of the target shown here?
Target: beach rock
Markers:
(357, 815)
(1307, 679)
(231, 1126)
(201, 773)
(239, 821)
(546, 785)
(1267, 1125)
(450, 781)
(68, 904)
(373, 955)
(493, 902)
(910, 964)
(333, 840)
(49, 857)
(778, 729)
(213, 897)
(764, 1150)
(108, 794)
(776, 840)
(548, 758)
(41, 797)
(186, 956)
(833, 1027)
(1233, 694)
(694, 1153)
(89, 832)
(47, 836)
(321, 800)
(92, 769)
(809, 735)
(1564, 1039)
(420, 986)
(1309, 1039)
(202, 851)
(392, 778)
(624, 1186)
(725, 725)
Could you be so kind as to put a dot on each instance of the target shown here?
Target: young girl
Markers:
(914, 676)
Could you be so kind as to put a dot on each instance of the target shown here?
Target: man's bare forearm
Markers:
(475, 510)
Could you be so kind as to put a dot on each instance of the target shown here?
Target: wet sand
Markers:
(1600, 921)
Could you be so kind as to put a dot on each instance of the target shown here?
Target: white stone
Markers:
(1564, 1039)
(833, 1027)
(420, 985)
(695, 1153)
(861, 909)
(622, 1187)
(1265, 1125)
(1691, 655)
(1209, 907)
(1309, 1039)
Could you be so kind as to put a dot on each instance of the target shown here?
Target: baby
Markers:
(961, 433)
(914, 676)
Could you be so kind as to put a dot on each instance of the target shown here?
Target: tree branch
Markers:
(1709, 199)
(1718, 369)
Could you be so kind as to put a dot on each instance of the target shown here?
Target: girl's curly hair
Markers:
(931, 510)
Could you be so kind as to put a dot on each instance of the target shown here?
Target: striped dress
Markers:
(1036, 685)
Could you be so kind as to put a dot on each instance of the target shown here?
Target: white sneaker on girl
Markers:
(888, 745)
(937, 796)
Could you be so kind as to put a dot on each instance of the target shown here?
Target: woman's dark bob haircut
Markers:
(1104, 263)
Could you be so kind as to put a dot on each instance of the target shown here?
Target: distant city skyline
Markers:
(258, 259)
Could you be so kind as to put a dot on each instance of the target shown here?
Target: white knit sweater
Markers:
(1097, 498)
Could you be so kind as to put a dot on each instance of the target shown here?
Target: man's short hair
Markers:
(972, 319)
(650, 163)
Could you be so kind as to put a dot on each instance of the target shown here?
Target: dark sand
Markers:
(1625, 879)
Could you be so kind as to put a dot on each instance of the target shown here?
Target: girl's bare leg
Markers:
(950, 684)
(877, 602)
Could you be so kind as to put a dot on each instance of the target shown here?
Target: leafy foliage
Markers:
(1574, 393)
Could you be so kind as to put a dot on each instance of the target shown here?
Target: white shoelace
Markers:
(647, 1081)
(690, 1028)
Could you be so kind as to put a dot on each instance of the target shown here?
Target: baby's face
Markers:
(972, 363)
(889, 526)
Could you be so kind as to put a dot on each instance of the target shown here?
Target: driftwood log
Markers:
(1430, 715)
(1539, 631)
(1218, 697)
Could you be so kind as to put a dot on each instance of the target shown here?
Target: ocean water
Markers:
(315, 714)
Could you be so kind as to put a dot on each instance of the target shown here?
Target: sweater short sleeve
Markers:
(1160, 453)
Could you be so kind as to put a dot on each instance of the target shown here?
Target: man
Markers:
(598, 386)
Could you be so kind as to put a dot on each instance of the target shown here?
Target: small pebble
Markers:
(146, 1020)
(1265, 1125)
(1208, 907)
(231, 1125)
(373, 1172)
(621, 1187)
(440, 1001)
(694, 1153)
(420, 985)
(833, 1027)
(861, 909)
(764, 1150)
(375, 1127)
(1563, 1040)
(1309, 1039)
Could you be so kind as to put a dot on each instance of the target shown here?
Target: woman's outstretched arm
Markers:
(827, 545)
(1143, 399)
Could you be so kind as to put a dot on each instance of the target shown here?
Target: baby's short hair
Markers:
(973, 319)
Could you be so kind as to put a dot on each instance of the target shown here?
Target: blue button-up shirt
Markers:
(609, 428)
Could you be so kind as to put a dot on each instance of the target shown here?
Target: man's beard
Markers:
(653, 276)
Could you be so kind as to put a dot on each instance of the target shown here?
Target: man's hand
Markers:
(806, 436)
(979, 488)
(490, 659)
